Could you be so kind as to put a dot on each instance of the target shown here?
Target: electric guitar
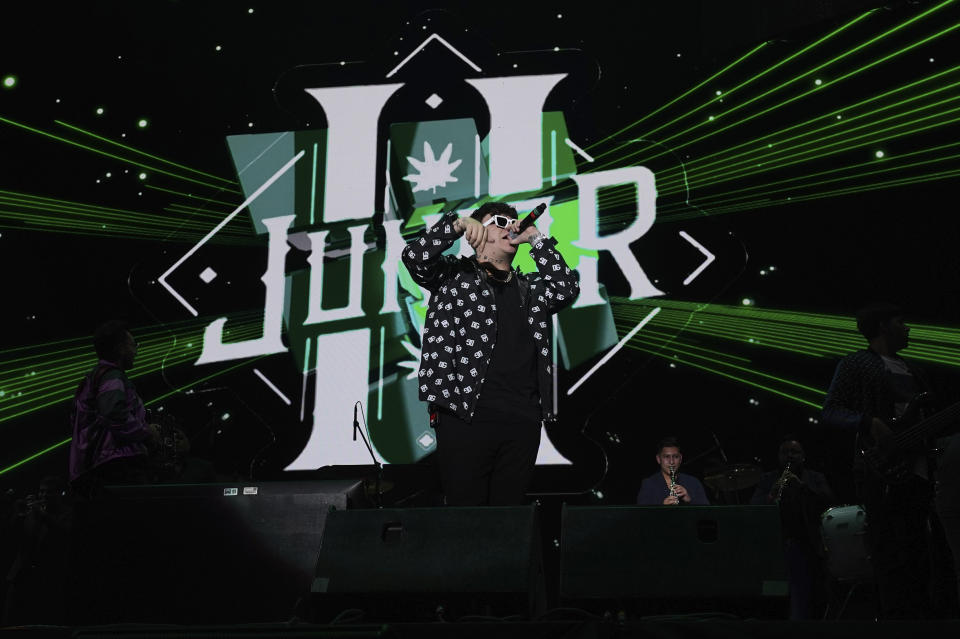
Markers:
(889, 459)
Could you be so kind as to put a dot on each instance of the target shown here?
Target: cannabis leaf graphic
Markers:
(432, 172)
(414, 364)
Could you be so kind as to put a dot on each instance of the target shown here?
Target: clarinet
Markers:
(673, 484)
(781, 483)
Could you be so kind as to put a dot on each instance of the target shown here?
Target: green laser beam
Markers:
(143, 153)
(827, 64)
(38, 454)
(780, 104)
(729, 171)
(57, 378)
(750, 81)
(894, 165)
(106, 214)
(679, 349)
(678, 98)
(153, 187)
(728, 376)
(785, 331)
(97, 229)
(85, 147)
(751, 155)
(877, 186)
(29, 459)
(712, 200)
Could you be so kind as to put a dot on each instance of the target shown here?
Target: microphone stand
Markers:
(722, 454)
(356, 429)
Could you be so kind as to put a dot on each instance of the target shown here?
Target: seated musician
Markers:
(668, 486)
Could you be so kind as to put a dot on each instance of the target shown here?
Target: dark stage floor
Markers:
(666, 628)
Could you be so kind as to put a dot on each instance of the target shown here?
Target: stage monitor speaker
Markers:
(202, 553)
(417, 562)
(660, 552)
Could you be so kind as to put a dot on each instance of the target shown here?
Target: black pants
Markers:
(898, 543)
(948, 502)
(487, 462)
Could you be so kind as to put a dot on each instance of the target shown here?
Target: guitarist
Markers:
(870, 389)
(110, 431)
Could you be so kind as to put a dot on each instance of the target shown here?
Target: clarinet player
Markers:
(802, 495)
(667, 486)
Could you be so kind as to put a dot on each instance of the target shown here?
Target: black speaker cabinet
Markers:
(679, 552)
(419, 562)
(202, 553)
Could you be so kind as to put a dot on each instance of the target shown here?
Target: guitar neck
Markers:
(929, 426)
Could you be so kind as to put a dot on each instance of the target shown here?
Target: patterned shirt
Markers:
(865, 386)
(861, 389)
(460, 331)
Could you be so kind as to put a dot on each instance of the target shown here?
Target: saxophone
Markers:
(673, 483)
(784, 478)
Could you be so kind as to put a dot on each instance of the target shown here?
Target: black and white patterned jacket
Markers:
(461, 325)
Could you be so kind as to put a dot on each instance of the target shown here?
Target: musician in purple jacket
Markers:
(870, 389)
(110, 431)
(656, 489)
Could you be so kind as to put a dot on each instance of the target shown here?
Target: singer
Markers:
(485, 368)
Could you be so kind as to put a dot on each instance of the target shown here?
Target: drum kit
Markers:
(842, 528)
(732, 478)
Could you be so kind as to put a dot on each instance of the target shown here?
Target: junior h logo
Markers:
(396, 151)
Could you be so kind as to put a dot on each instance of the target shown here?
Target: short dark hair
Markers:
(494, 208)
(790, 438)
(668, 442)
(871, 318)
(108, 338)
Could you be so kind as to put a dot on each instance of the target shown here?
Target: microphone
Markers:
(356, 424)
(530, 219)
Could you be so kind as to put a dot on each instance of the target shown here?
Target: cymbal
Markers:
(734, 477)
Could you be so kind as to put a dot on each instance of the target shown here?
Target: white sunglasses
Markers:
(500, 220)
